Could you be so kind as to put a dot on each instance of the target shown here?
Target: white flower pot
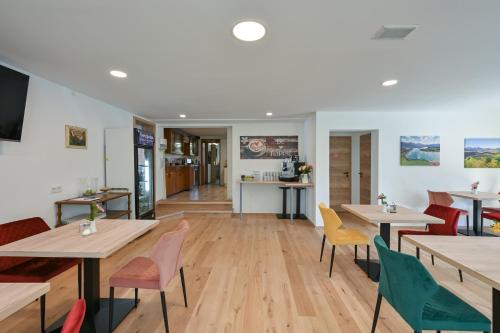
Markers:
(304, 178)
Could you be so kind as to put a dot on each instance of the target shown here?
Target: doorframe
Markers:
(203, 165)
(355, 162)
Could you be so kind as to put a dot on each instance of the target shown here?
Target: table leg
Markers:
(59, 215)
(374, 272)
(291, 204)
(96, 316)
(495, 318)
(476, 217)
(241, 201)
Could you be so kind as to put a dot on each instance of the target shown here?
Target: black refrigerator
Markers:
(144, 174)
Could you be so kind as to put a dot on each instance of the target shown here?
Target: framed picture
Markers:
(420, 150)
(76, 137)
(268, 147)
(482, 153)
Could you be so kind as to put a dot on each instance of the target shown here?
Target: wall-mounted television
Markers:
(13, 92)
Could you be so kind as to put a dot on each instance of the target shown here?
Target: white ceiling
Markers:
(317, 55)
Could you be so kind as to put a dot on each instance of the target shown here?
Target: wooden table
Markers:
(66, 242)
(374, 214)
(291, 185)
(15, 296)
(477, 203)
(101, 198)
(476, 256)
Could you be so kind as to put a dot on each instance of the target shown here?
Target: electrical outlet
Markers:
(56, 189)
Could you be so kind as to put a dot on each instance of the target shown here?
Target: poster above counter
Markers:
(268, 147)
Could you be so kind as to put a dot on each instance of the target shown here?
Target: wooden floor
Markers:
(257, 275)
(202, 193)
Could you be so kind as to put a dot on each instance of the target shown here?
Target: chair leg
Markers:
(432, 259)
(377, 311)
(136, 297)
(399, 243)
(79, 280)
(322, 247)
(368, 260)
(183, 287)
(418, 253)
(164, 308)
(111, 301)
(42, 313)
(331, 259)
(467, 221)
(460, 274)
(355, 253)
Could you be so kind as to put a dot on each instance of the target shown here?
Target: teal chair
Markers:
(411, 290)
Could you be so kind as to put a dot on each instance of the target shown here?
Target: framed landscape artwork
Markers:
(76, 137)
(482, 153)
(268, 147)
(420, 150)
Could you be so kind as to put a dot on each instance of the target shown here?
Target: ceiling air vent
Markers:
(393, 32)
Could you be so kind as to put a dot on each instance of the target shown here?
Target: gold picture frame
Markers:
(76, 137)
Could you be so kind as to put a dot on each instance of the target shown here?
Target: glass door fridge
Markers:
(144, 174)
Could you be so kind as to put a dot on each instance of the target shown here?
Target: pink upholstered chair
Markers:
(153, 272)
(445, 199)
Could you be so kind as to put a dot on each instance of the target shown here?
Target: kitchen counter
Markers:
(179, 178)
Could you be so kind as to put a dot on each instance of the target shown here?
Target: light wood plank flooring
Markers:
(257, 275)
(202, 193)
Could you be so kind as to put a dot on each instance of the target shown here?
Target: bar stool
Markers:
(283, 214)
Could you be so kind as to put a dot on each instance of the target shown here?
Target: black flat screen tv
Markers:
(13, 92)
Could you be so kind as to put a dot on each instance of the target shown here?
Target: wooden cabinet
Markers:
(180, 143)
(179, 178)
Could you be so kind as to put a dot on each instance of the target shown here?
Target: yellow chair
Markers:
(337, 235)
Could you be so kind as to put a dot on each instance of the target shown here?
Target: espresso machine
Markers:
(290, 170)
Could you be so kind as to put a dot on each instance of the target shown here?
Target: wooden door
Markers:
(365, 169)
(340, 171)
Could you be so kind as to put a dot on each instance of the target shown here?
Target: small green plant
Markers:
(95, 209)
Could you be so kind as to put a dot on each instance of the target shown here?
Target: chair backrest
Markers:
(75, 317)
(167, 253)
(331, 221)
(405, 283)
(14, 231)
(440, 198)
(449, 215)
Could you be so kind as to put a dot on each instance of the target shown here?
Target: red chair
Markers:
(445, 199)
(28, 269)
(490, 213)
(75, 317)
(449, 228)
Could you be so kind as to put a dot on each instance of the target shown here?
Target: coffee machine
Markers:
(290, 170)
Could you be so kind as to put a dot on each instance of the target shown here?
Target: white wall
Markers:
(260, 198)
(30, 168)
(310, 157)
(408, 185)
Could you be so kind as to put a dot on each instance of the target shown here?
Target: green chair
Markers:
(412, 291)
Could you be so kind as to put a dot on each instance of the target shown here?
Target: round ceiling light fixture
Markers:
(182, 116)
(389, 83)
(269, 114)
(249, 31)
(118, 74)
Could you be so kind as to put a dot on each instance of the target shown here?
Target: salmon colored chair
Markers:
(75, 318)
(445, 199)
(338, 236)
(490, 213)
(153, 272)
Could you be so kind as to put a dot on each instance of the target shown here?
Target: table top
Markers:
(477, 196)
(99, 197)
(478, 256)
(276, 182)
(17, 295)
(66, 241)
(374, 214)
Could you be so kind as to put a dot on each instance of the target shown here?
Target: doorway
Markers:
(353, 167)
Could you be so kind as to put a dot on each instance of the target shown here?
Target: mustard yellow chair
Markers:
(337, 235)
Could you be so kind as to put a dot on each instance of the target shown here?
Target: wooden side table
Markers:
(101, 198)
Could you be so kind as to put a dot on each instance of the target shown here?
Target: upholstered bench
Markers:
(28, 269)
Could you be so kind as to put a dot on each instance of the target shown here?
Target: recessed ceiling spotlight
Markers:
(182, 116)
(389, 83)
(269, 114)
(118, 74)
(249, 31)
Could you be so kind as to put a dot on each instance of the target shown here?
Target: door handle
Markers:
(346, 174)
(360, 174)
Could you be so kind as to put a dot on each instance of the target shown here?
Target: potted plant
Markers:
(383, 200)
(304, 171)
(474, 186)
(95, 210)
